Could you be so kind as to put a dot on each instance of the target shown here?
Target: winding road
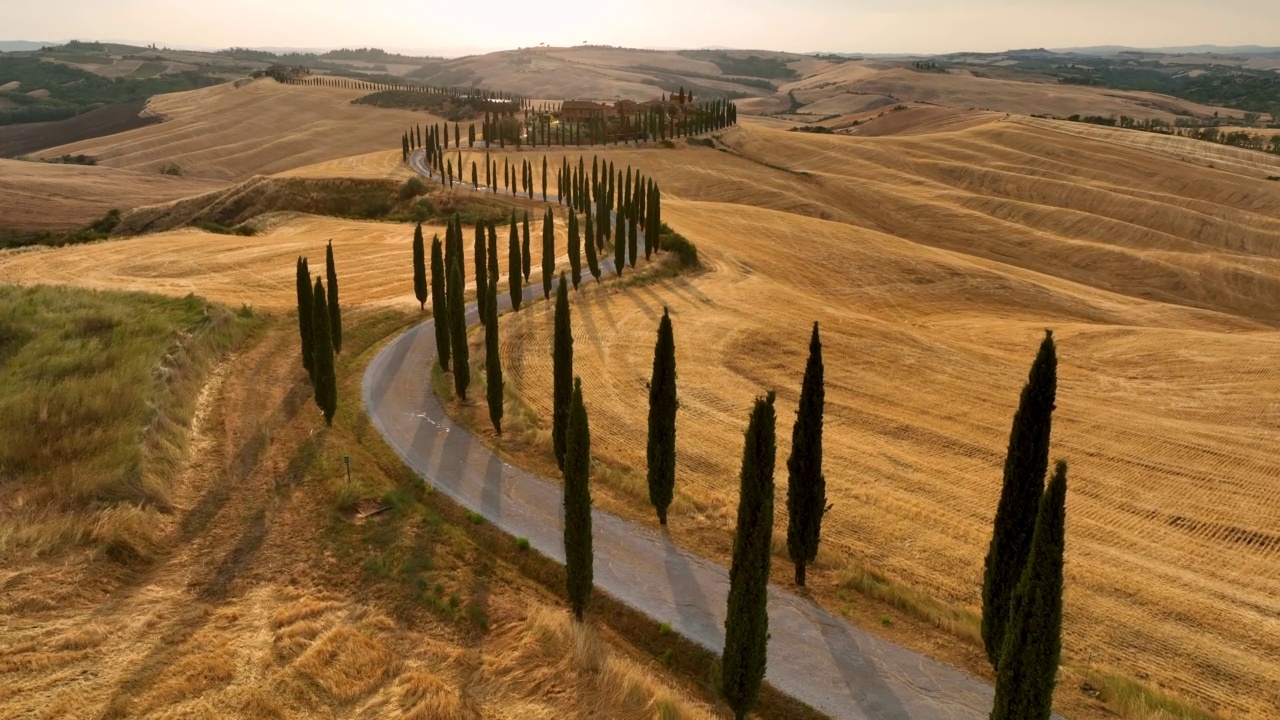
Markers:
(814, 656)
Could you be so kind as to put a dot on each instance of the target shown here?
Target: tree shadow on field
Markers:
(585, 311)
(635, 295)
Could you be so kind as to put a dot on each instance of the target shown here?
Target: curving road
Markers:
(814, 656)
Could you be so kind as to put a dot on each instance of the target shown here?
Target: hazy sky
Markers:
(924, 26)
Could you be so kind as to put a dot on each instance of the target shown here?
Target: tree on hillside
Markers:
(492, 364)
(419, 268)
(439, 305)
(1024, 470)
(577, 504)
(335, 314)
(458, 334)
(806, 485)
(482, 277)
(575, 250)
(475, 182)
(619, 244)
(525, 258)
(593, 263)
(1033, 640)
(662, 420)
(548, 253)
(326, 381)
(304, 319)
(746, 627)
(544, 178)
(493, 253)
(631, 239)
(513, 265)
(561, 372)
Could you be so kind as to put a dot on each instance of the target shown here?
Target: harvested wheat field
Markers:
(236, 130)
(934, 263)
(47, 196)
(375, 261)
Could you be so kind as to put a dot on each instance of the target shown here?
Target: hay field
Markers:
(236, 130)
(375, 261)
(934, 264)
(46, 196)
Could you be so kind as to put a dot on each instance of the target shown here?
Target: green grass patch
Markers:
(96, 394)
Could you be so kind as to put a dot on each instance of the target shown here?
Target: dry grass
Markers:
(46, 196)
(955, 251)
(236, 130)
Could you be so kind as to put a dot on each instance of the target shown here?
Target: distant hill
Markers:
(1185, 49)
(21, 45)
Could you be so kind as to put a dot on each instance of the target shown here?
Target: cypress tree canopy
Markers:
(562, 372)
(419, 268)
(325, 378)
(335, 313)
(1024, 471)
(806, 485)
(577, 504)
(662, 420)
(305, 319)
(439, 304)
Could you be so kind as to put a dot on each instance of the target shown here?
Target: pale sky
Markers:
(883, 26)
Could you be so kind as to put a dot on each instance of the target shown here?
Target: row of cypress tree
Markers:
(320, 331)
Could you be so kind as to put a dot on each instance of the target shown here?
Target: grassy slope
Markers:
(96, 393)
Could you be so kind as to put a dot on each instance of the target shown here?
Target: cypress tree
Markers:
(525, 259)
(746, 628)
(475, 182)
(561, 372)
(492, 364)
(419, 268)
(326, 382)
(593, 263)
(439, 305)
(548, 253)
(513, 265)
(1024, 470)
(458, 334)
(575, 250)
(662, 420)
(335, 314)
(482, 277)
(544, 178)
(806, 485)
(619, 245)
(577, 504)
(1033, 640)
(304, 319)
(631, 240)
(493, 254)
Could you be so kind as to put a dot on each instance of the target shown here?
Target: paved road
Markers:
(814, 656)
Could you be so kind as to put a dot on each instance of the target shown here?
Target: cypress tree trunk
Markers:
(525, 258)
(593, 262)
(326, 381)
(307, 337)
(548, 253)
(482, 277)
(458, 334)
(747, 624)
(439, 305)
(806, 485)
(575, 250)
(662, 420)
(335, 314)
(1033, 640)
(513, 265)
(562, 373)
(1024, 471)
(419, 268)
(577, 504)
(492, 364)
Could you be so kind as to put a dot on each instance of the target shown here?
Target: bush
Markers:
(413, 187)
(685, 252)
(703, 142)
(1273, 177)
(220, 229)
(668, 144)
(171, 169)
(522, 543)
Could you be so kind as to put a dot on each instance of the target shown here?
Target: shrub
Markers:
(413, 187)
(703, 142)
(522, 543)
(171, 169)
(668, 144)
(475, 517)
(1273, 177)
(685, 252)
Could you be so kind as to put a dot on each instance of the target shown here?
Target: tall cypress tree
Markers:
(619, 245)
(561, 372)
(662, 420)
(1033, 640)
(575, 250)
(326, 381)
(544, 178)
(492, 364)
(577, 504)
(548, 253)
(458, 334)
(525, 258)
(631, 240)
(589, 243)
(439, 305)
(419, 268)
(513, 265)
(335, 313)
(482, 277)
(1024, 471)
(493, 253)
(806, 485)
(307, 337)
(746, 628)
